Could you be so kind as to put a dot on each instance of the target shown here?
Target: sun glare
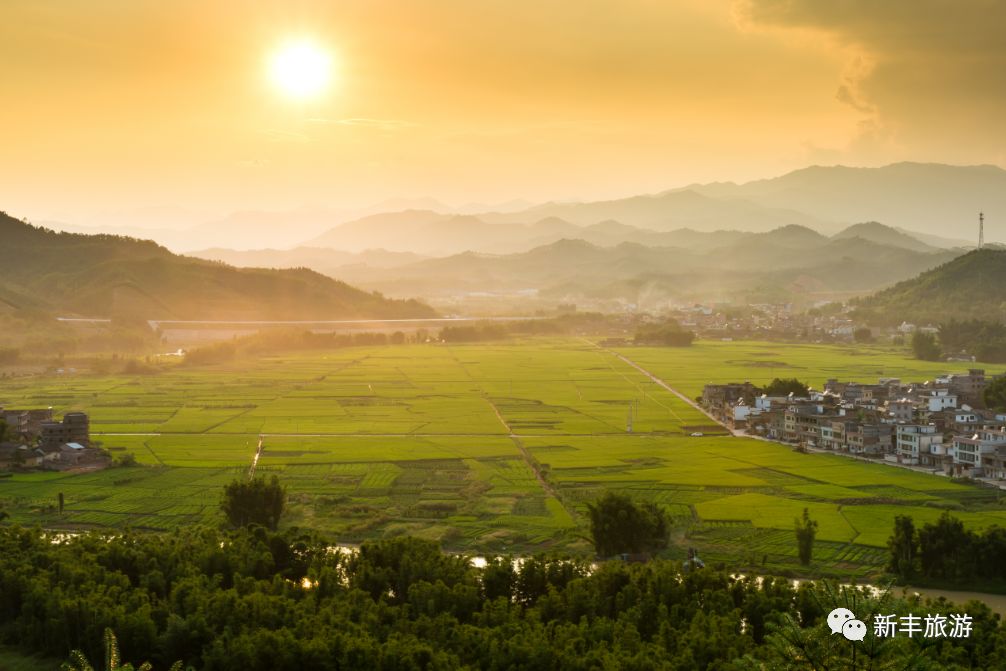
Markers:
(300, 69)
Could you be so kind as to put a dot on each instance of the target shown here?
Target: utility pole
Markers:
(981, 230)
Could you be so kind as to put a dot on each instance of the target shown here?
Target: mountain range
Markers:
(812, 234)
(938, 203)
(110, 276)
(931, 198)
(790, 263)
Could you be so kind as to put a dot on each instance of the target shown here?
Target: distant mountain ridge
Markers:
(885, 235)
(111, 276)
(931, 198)
(322, 259)
(937, 203)
(940, 202)
(785, 263)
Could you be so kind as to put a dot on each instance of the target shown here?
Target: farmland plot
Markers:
(485, 447)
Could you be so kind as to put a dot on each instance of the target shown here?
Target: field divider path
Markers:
(531, 462)
(671, 389)
(528, 458)
(146, 444)
(210, 428)
(646, 394)
(852, 526)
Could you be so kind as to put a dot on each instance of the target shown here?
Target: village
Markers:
(33, 439)
(939, 424)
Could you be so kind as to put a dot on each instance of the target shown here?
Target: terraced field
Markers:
(486, 448)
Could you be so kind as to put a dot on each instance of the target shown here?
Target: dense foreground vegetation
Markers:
(258, 600)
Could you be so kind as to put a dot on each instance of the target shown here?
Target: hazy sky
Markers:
(113, 105)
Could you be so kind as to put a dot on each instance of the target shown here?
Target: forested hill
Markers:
(112, 276)
(972, 286)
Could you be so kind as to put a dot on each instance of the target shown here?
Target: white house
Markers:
(938, 399)
(918, 444)
(975, 453)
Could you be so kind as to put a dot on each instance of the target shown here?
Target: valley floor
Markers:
(488, 448)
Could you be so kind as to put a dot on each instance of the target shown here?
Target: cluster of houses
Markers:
(939, 424)
(34, 439)
(770, 321)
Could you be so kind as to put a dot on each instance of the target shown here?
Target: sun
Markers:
(300, 69)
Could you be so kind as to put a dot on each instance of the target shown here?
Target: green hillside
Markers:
(972, 286)
(113, 276)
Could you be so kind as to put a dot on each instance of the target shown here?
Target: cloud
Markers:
(379, 124)
(923, 73)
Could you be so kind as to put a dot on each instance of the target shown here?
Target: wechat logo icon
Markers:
(843, 621)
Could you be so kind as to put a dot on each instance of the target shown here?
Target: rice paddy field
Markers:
(487, 448)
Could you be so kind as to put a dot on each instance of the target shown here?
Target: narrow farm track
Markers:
(154, 454)
(644, 392)
(531, 462)
(674, 391)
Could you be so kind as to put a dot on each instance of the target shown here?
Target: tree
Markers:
(904, 547)
(995, 394)
(925, 346)
(254, 501)
(947, 551)
(785, 387)
(620, 525)
(806, 530)
(862, 335)
(126, 460)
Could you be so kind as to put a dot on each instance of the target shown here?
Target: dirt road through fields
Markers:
(674, 391)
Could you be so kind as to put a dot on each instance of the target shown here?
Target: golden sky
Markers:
(111, 105)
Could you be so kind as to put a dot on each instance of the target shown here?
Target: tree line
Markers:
(570, 323)
(982, 339)
(282, 340)
(667, 333)
(945, 552)
(256, 600)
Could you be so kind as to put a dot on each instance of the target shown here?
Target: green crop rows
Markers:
(485, 448)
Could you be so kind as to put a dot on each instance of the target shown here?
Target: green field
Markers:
(12, 660)
(486, 448)
(716, 362)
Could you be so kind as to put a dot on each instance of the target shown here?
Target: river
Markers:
(996, 602)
